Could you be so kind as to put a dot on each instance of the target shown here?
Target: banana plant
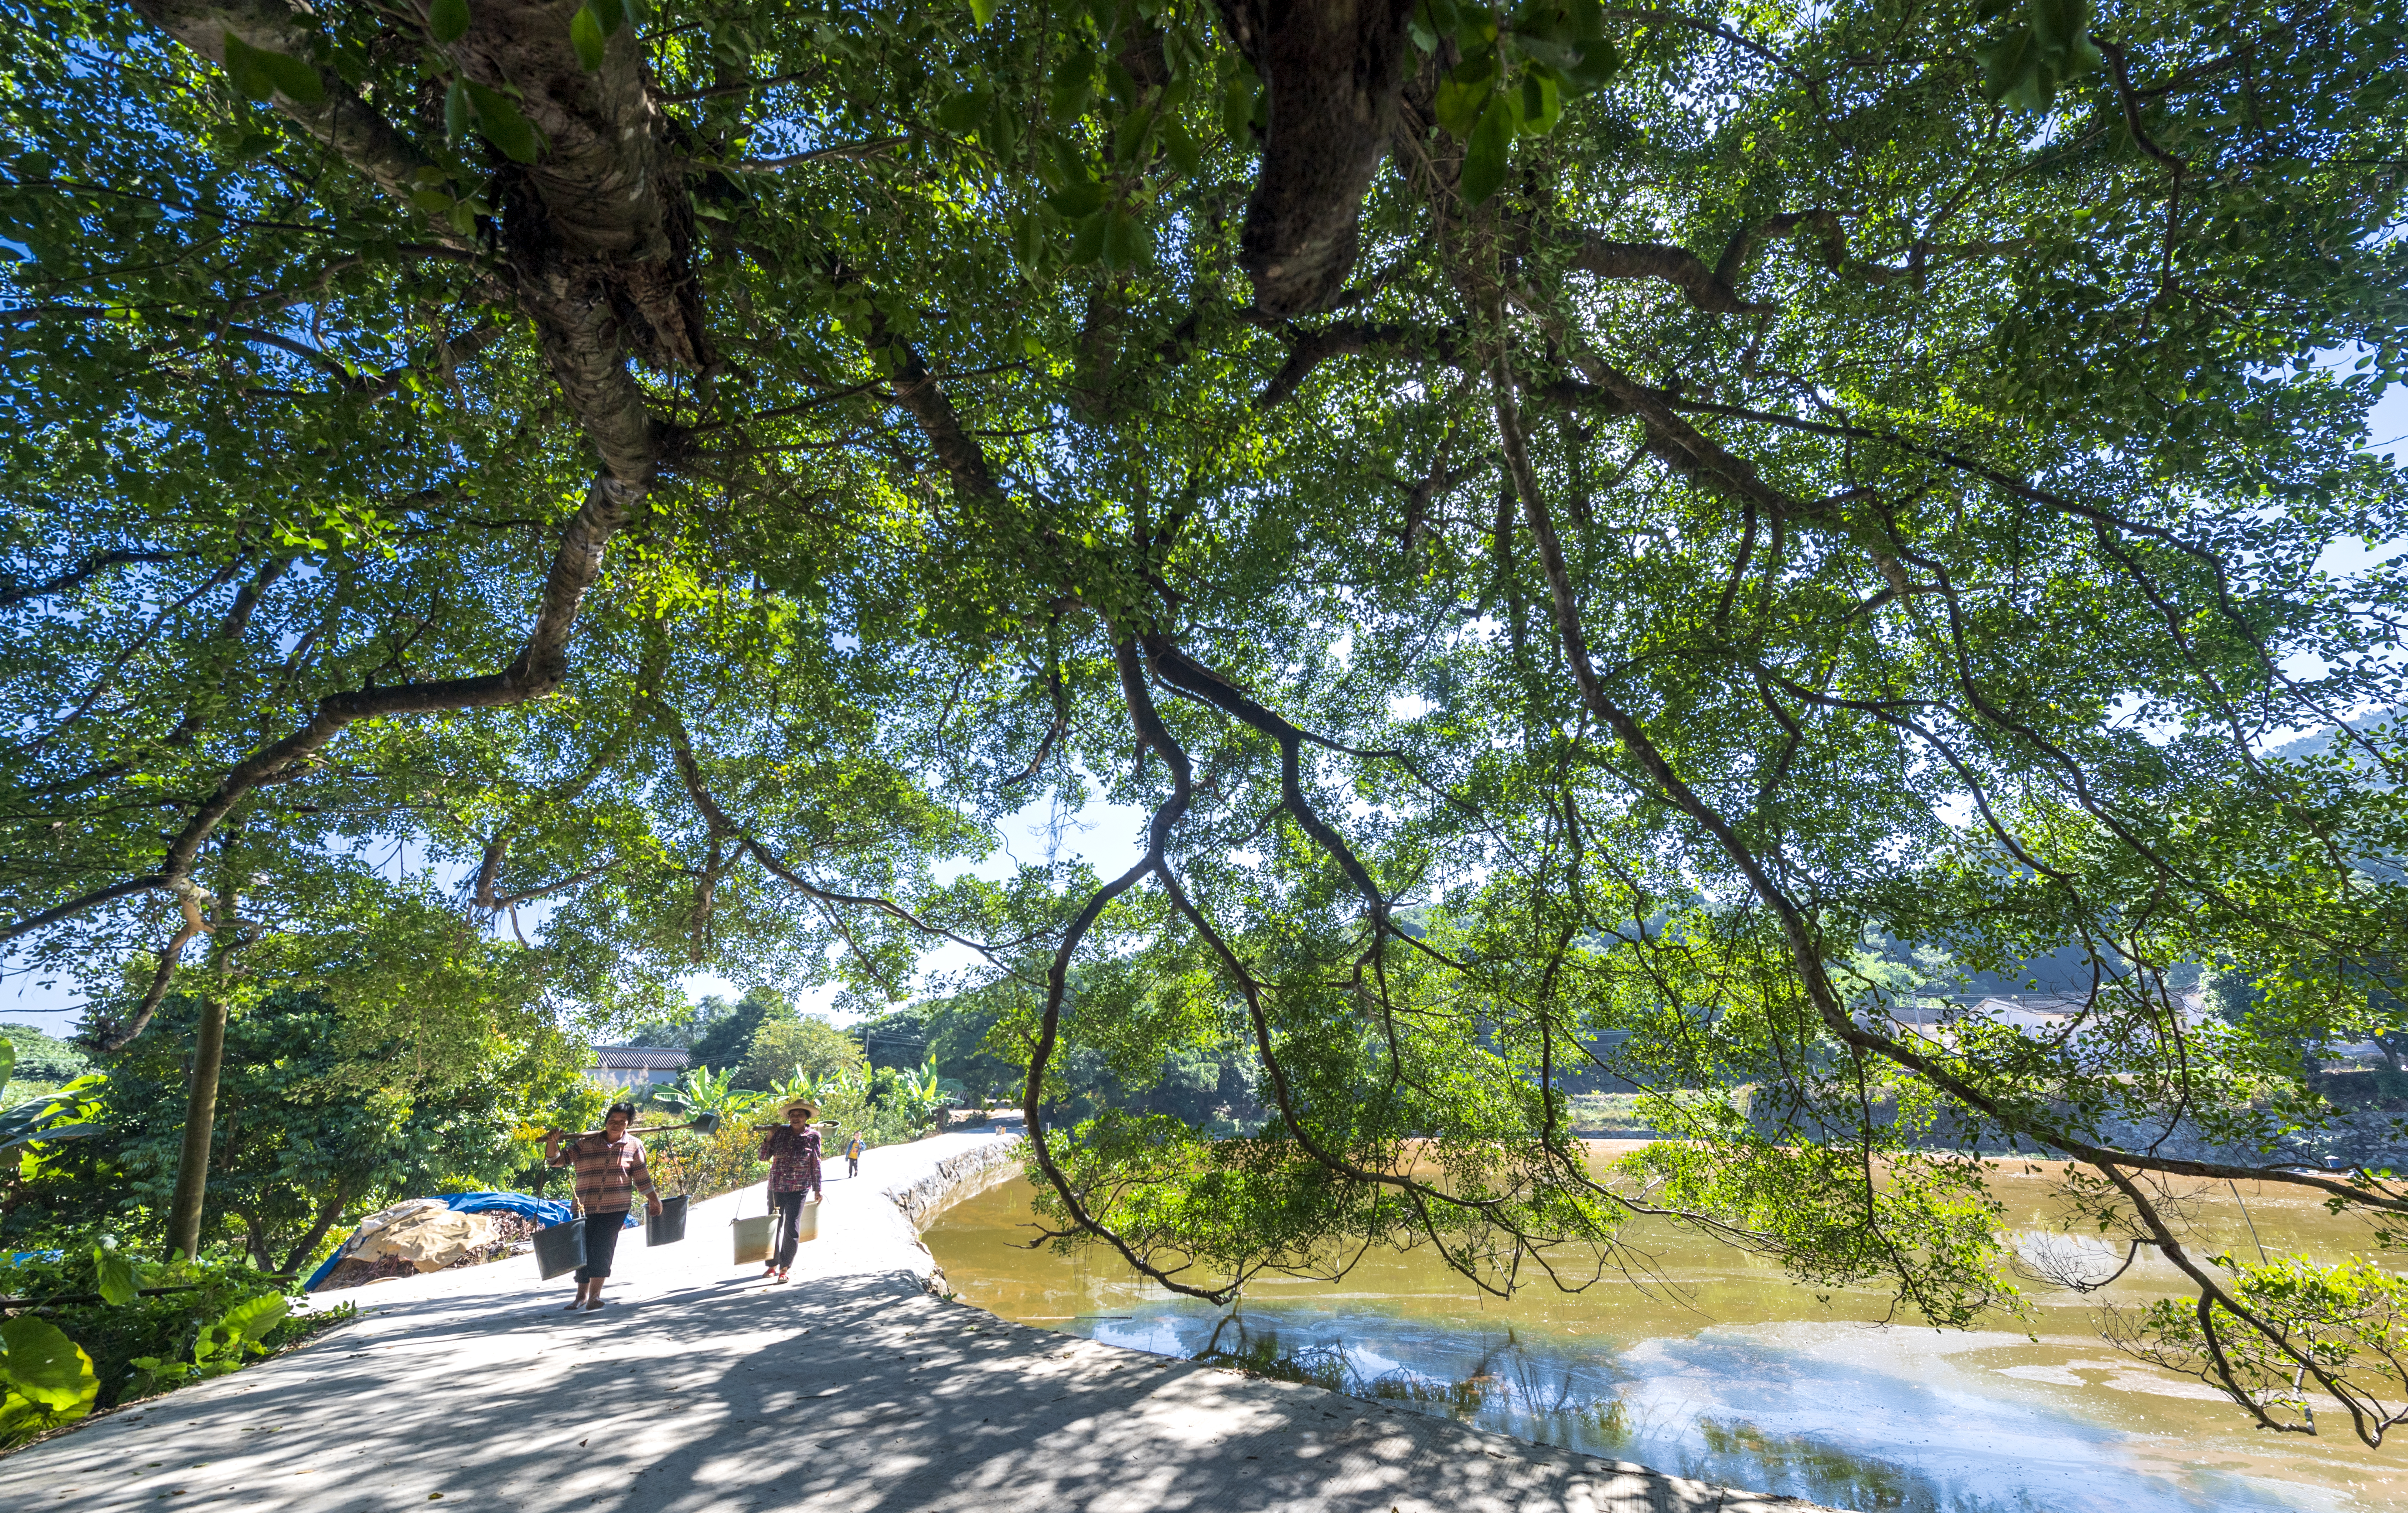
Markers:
(920, 1092)
(798, 1084)
(705, 1091)
(921, 1085)
(827, 1090)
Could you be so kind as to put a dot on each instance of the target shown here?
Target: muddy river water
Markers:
(1724, 1370)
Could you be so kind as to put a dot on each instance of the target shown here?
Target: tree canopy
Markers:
(1573, 520)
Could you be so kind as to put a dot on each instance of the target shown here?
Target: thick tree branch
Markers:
(82, 572)
(1682, 269)
(1308, 350)
(539, 667)
(921, 396)
(1334, 71)
(342, 121)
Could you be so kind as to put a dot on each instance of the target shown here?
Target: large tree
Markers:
(1573, 520)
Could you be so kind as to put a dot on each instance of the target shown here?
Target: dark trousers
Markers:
(790, 1214)
(601, 1244)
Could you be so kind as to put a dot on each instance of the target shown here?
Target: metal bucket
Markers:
(807, 1221)
(667, 1227)
(751, 1239)
(559, 1248)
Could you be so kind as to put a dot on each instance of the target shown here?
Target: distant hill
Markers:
(2323, 742)
(43, 1058)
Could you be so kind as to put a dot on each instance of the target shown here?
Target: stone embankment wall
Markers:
(954, 1178)
(947, 1182)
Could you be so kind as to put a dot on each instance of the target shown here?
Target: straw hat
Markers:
(810, 1111)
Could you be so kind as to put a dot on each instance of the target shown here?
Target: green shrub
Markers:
(226, 1313)
(704, 1166)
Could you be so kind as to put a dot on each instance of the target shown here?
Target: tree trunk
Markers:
(200, 1117)
(327, 1213)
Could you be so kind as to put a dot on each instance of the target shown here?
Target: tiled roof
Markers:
(635, 1057)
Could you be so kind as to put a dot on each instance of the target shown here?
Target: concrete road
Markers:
(852, 1388)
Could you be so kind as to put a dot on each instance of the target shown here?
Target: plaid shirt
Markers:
(608, 1171)
(794, 1159)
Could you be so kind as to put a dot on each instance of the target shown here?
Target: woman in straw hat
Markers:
(792, 1152)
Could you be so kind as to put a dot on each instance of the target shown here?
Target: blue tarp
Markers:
(544, 1212)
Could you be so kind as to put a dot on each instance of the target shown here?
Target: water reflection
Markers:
(1729, 1375)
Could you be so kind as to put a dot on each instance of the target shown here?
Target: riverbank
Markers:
(854, 1386)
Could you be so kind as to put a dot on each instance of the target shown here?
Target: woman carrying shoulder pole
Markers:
(610, 1169)
(792, 1152)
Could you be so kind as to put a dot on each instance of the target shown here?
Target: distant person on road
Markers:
(853, 1149)
(610, 1169)
(792, 1152)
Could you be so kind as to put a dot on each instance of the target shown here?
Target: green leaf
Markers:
(1087, 241)
(981, 11)
(46, 1368)
(1536, 104)
(1546, 32)
(1463, 95)
(1073, 85)
(1069, 162)
(587, 34)
(499, 118)
(1077, 199)
(1238, 107)
(7, 1046)
(118, 1278)
(1485, 156)
(1181, 149)
(2008, 64)
(295, 79)
(1124, 241)
(243, 72)
(252, 1320)
(2056, 24)
(1001, 130)
(1129, 139)
(1599, 61)
(962, 112)
(2049, 48)
(447, 21)
(459, 116)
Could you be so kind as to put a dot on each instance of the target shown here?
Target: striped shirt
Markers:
(794, 1159)
(608, 1171)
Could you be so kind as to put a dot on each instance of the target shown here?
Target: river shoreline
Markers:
(857, 1386)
